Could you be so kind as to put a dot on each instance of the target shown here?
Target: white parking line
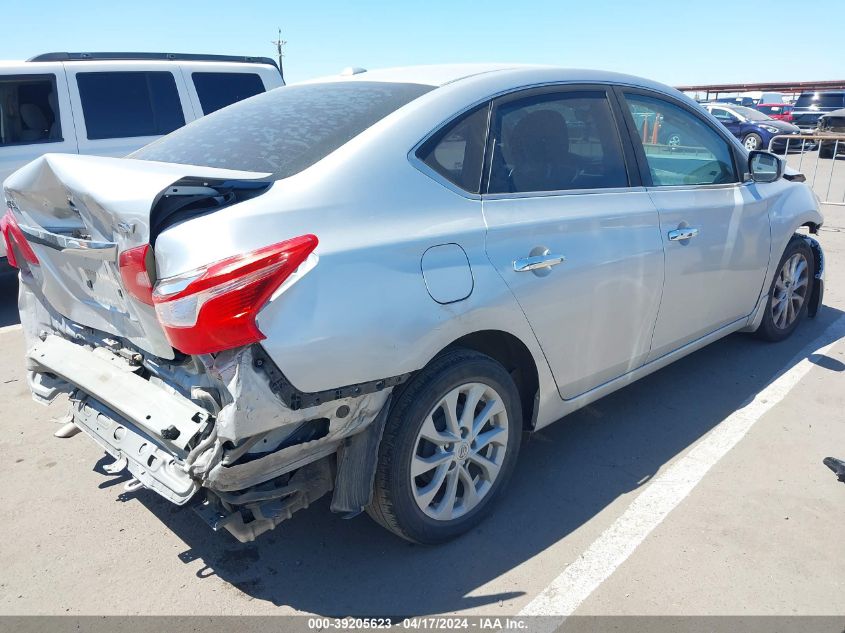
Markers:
(574, 585)
(10, 328)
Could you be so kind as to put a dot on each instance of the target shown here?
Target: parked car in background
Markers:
(110, 104)
(375, 284)
(753, 98)
(753, 128)
(811, 105)
(832, 124)
(777, 111)
(740, 100)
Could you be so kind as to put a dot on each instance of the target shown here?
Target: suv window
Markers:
(456, 152)
(555, 142)
(29, 110)
(680, 148)
(285, 130)
(821, 100)
(125, 104)
(218, 90)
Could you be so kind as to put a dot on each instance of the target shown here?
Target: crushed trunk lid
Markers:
(78, 213)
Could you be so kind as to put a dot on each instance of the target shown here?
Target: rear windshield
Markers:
(282, 131)
(774, 109)
(821, 100)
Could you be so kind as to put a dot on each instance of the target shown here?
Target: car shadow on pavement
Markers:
(566, 475)
(9, 314)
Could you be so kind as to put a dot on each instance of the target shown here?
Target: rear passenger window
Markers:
(125, 104)
(457, 151)
(217, 90)
(680, 148)
(555, 142)
(29, 110)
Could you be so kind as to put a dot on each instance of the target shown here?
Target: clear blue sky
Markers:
(674, 41)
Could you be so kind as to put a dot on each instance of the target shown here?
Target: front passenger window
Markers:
(680, 148)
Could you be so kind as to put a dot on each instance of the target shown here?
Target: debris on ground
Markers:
(837, 466)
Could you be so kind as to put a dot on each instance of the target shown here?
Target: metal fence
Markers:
(821, 158)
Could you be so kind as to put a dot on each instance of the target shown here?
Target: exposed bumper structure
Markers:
(145, 428)
(173, 419)
(253, 461)
(152, 466)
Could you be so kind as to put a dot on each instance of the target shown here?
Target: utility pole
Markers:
(279, 43)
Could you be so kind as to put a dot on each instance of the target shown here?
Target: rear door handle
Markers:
(682, 234)
(536, 262)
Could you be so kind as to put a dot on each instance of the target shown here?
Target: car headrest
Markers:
(33, 117)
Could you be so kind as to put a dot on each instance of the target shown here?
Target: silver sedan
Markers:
(373, 285)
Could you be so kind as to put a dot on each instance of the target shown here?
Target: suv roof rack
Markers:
(192, 57)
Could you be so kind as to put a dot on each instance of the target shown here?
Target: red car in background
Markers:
(779, 111)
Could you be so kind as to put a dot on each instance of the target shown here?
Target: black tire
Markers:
(393, 505)
(769, 330)
(758, 141)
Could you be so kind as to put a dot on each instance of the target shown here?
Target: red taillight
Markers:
(214, 307)
(13, 236)
(133, 271)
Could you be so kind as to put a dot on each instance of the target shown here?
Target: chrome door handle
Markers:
(682, 234)
(78, 246)
(537, 262)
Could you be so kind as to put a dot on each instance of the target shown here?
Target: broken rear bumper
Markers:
(253, 460)
(151, 465)
(148, 430)
(170, 418)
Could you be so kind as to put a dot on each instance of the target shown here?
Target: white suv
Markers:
(110, 104)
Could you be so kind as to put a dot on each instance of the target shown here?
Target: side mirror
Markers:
(764, 166)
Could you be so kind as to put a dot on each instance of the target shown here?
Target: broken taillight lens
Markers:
(134, 273)
(13, 236)
(214, 307)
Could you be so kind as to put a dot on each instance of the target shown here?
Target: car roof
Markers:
(132, 59)
(430, 75)
(442, 74)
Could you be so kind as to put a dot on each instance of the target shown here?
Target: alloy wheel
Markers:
(751, 142)
(790, 291)
(460, 449)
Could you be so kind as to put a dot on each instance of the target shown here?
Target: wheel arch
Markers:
(812, 226)
(516, 358)
(779, 245)
(782, 234)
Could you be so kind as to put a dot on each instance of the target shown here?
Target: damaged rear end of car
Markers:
(168, 375)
